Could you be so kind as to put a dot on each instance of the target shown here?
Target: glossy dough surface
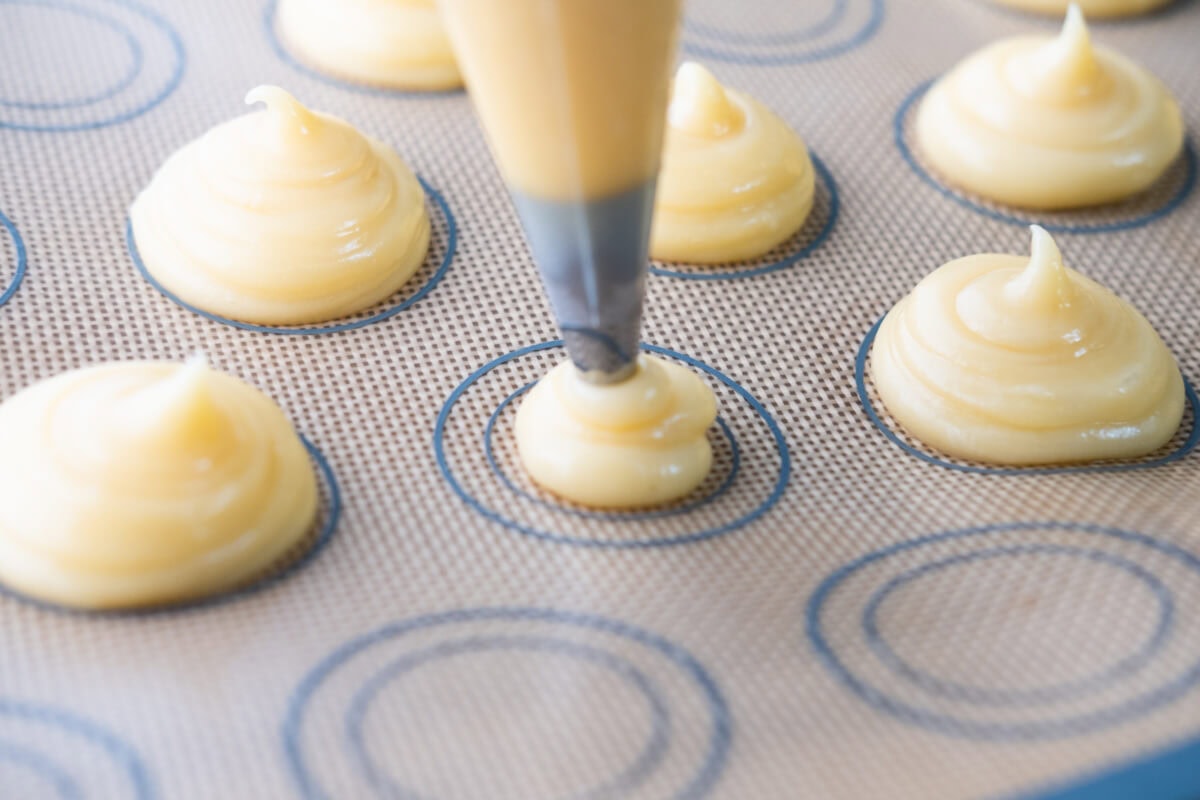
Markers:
(1050, 123)
(641, 442)
(392, 43)
(143, 483)
(283, 216)
(1007, 360)
(736, 181)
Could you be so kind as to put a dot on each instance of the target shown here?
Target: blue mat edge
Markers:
(1170, 774)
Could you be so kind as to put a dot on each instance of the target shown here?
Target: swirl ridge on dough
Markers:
(283, 216)
(736, 181)
(142, 483)
(642, 442)
(1050, 123)
(1007, 360)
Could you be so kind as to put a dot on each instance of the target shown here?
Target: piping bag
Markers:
(573, 96)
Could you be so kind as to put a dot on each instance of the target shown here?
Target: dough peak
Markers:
(736, 181)
(1053, 123)
(700, 106)
(1044, 284)
(179, 412)
(1066, 68)
(288, 112)
(282, 216)
(1007, 360)
(145, 482)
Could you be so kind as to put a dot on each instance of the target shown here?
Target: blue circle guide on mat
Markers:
(801, 33)
(456, 645)
(334, 327)
(18, 271)
(625, 781)
(931, 716)
(864, 397)
(832, 34)
(328, 528)
(50, 774)
(1177, 199)
(128, 95)
(983, 695)
(715, 272)
(105, 22)
(269, 30)
(55, 769)
(627, 544)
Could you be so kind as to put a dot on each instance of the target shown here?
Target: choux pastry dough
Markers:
(736, 181)
(282, 217)
(641, 442)
(1010, 360)
(145, 483)
(1050, 123)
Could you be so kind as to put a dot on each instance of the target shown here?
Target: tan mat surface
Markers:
(831, 616)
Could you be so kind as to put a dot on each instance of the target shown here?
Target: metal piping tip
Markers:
(593, 256)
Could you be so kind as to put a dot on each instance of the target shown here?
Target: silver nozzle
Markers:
(592, 255)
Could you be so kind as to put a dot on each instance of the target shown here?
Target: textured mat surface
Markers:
(836, 614)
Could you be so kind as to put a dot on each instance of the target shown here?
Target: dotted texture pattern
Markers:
(739, 658)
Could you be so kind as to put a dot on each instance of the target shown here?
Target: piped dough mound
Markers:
(642, 442)
(1050, 123)
(736, 181)
(1093, 8)
(145, 483)
(398, 44)
(282, 217)
(1007, 360)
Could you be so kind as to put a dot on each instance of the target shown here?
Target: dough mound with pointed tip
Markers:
(1050, 123)
(736, 181)
(642, 442)
(399, 44)
(1008, 360)
(282, 217)
(146, 483)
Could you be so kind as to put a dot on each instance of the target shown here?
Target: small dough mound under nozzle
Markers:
(282, 216)
(642, 442)
(1050, 123)
(736, 181)
(1010, 360)
(146, 483)
(398, 44)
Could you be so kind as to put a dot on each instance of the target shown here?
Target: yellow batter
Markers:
(1093, 8)
(641, 442)
(282, 216)
(614, 55)
(392, 43)
(143, 483)
(736, 181)
(1050, 123)
(1007, 360)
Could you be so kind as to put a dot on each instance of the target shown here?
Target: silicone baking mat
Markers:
(837, 613)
